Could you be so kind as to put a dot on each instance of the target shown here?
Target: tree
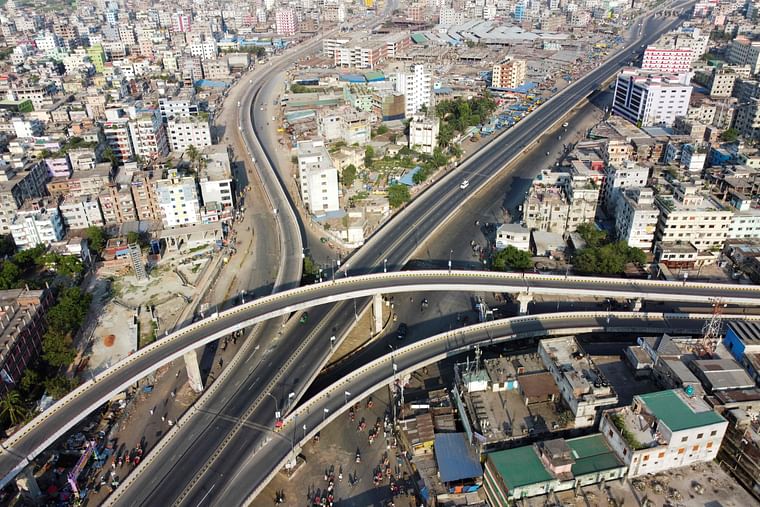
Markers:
(398, 194)
(382, 129)
(193, 154)
(7, 246)
(10, 275)
(512, 258)
(109, 156)
(369, 155)
(30, 380)
(349, 175)
(133, 237)
(60, 385)
(69, 312)
(57, 350)
(729, 135)
(96, 237)
(12, 407)
(592, 235)
(609, 259)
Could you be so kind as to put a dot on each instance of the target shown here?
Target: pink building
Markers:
(58, 166)
(666, 60)
(180, 22)
(286, 21)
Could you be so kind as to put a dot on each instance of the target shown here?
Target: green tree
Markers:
(96, 237)
(369, 155)
(30, 380)
(12, 406)
(57, 350)
(398, 194)
(7, 246)
(729, 135)
(109, 156)
(10, 275)
(382, 129)
(512, 258)
(194, 155)
(133, 237)
(591, 234)
(60, 385)
(349, 175)
(69, 312)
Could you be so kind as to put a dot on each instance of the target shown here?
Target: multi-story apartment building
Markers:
(81, 212)
(416, 85)
(687, 37)
(181, 104)
(582, 387)
(423, 133)
(286, 21)
(205, 50)
(509, 73)
(144, 195)
(82, 159)
(17, 185)
(37, 222)
(318, 178)
(560, 205)
(663, 430)
(22, 324)
(180, 22)
(666, 60)
(118, 139)
(177, 199)
(215, 181)
(619, 177)
(148, 135)
(748, 119)
(80, 183)
(117, 204)
(686, 216)
(636, 217)
(744, 51)
(649, 99)
(188, 131)
(366, 54)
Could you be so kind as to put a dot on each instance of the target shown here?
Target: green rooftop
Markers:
(671, 409)
(419, 38)
(519, 467)
(592, 454)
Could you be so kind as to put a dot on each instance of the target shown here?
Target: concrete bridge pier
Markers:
(636, 304)
(193, 371)
(377, 313)
(28, 483)
(524, 299)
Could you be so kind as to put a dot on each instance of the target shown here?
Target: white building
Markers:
(27, 128)
(37, 222)
(636, 218)
(687, 216)
(215, 180)
(416, 85)
(205, 50)
(148, 135)
(423, 133)
(513, 235)
(743, 51)
(619, 177)
(746, 220)
(667, 60)
(694, 157)
(650, 99)
(318, 178)
(81, 212)
(508, 74)
(177, 198)
(182, 104)
(185, 131)
(663, 430)
(583, 388)
(286, 21)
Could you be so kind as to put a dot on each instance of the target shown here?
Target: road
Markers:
(310, 417)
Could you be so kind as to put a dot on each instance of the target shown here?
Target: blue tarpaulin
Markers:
(408, 177)
(455, 457)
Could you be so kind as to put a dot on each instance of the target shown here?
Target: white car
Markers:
(565, 124)
(464, 184)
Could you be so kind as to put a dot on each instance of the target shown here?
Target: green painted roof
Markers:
(519, 467)
(675, 413)
(419, 38)
(592, 454)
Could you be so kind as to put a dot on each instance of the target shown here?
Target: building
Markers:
(17, 185)
(345, 124)
(177, 199)
(118, 139)
(286, 21)
(663, 430)
(649, 99)
(183, 132)
(180, 22)
(636, 218)
(743, 51)
(181, 104)
(583, 388)
(148, 135)
(423, 133)
(416, 85)
(27, 128)
(742, 339)
(22, 324)
(37, 222)
(667, 60)
(559, 202)
(117, 204)
(740, 451)
(81, 212)
(618, 178)
(748, 119)
(688, 217)
(513, 235)
(215, 181)
(318, 178)
(143, 190)
(549, 466)
(508, 74)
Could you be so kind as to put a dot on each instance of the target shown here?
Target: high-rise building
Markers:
(423, 133)
(177, 198)
(184, 132)
(37, 222)
(667, 60)
(180, 22)
(148, 135)
(286, 21)
(416, 85)
(650, 99)
(508, 74)
(318, 178)
(636, 218)
(744, 51)
(118, 139)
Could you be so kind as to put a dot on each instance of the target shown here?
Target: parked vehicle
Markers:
(402, 331)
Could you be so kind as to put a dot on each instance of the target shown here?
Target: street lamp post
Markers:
(346, 394)
(385, 265)
(333, 269)
(324, 414)
(291, 395)
(276, 407)
(332, 341)
(451, 252)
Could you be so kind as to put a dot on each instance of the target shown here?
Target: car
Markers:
(304, 318)
(401, 332)
(465, 184)
(566, 124)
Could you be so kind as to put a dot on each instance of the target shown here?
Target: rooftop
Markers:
(678, 411)
(747, 331)
(592, 454)
(519, 467)
(456, 458)
(577, 368)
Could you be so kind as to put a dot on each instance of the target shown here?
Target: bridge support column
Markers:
(193, 371)
(524, 299)
(636, 305)
(27, 482)
(377, 313)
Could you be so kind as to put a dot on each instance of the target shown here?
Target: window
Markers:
(695, 448)
(700, 435)
(645, 458)
(681, 450)
(684, 439)
(661, 455)
(709, 445)
(713, 433)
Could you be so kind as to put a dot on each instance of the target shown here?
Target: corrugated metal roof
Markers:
(455, 457)
(748, 332)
